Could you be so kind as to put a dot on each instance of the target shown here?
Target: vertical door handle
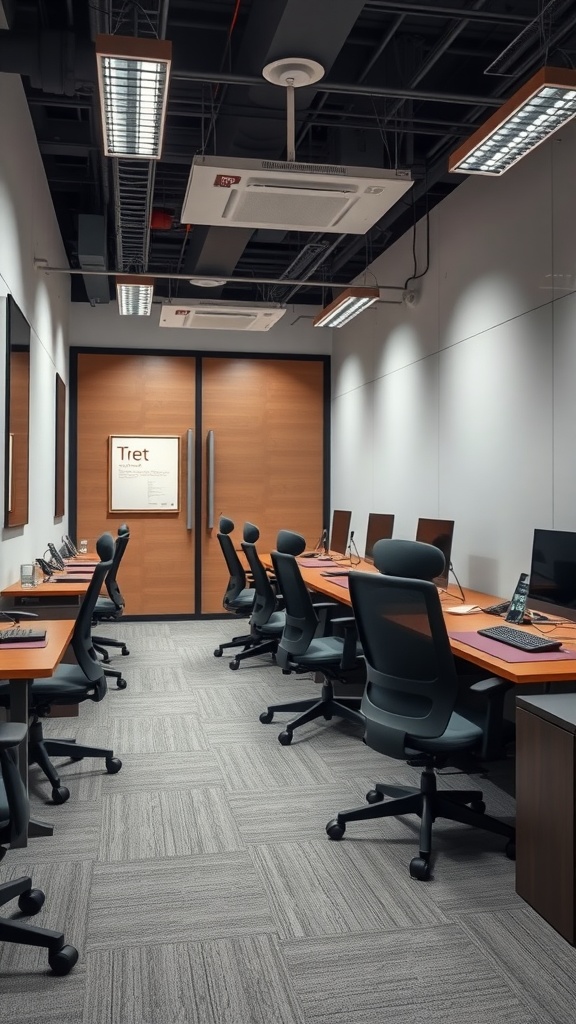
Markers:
(210, 472)
(190, 479)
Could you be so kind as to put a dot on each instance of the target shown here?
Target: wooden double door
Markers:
(252, 447)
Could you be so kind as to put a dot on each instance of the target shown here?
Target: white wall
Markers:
(464, 407)
(28, 230)
(101, 326)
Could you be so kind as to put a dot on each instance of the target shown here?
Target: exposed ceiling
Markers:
(405, 83)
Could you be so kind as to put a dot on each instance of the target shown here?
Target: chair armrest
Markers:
(491, 685)
(11, 734)
(325, 604)
(345, 620)
(349, 652)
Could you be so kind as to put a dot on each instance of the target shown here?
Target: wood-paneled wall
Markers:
(268, 421)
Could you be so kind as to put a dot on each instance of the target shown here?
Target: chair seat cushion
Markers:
(105, 607)
(275, 624)
(68, 685)
(244, 601)
(325, 650)
(458, 735)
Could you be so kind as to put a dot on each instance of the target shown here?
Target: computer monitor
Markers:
(438, 532)
(380, 527)
(340, 530)
(552, 586)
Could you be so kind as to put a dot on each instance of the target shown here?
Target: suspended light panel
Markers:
(134, 295)
(133, 76)
(349, 304)
(529, 117)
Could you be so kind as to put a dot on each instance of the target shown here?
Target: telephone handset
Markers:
(56, 556)
(68, 542)
(47, 567)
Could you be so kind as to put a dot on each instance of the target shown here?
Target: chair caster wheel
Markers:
(511, 849)
(105, 659)
(76, 759)
(286, 672)
(478, 806)
(266, 717)
(285, 738)
(60, 794)
(234, 664)
(121, 683)
(217, 653)
(373, 796)
(113, 765)
(63, 961)
(125, 652)
(335, 829)
(31, 902)
(327, 716)
(420, 868)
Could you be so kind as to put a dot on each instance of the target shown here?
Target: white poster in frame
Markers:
(144, 473)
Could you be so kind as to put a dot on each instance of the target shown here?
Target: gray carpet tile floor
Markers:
(200, 887)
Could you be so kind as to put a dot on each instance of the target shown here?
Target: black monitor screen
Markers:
(340, 530)
(552, 586)
(438, 532)
(380, 527)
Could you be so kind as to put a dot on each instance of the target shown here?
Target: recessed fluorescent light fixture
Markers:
(134, 295)
(529, 117)
(348, 305)
(133, 78)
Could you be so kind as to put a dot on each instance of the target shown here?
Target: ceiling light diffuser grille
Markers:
(133, 82)
(134, 295)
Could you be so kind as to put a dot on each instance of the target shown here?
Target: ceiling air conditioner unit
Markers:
(221, 315)
(290, 196)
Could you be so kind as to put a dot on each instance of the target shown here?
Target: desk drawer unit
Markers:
(545, 811)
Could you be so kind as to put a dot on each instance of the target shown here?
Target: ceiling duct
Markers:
(92, 255)
(220, 315)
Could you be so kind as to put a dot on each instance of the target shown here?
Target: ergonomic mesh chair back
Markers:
(411, 691)
(238, 597)
(266, 618)
(14, 814)
(302, 650)
(111, 608)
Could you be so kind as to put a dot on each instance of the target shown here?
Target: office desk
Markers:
(20, 668)
(49, 594)
(542, 671)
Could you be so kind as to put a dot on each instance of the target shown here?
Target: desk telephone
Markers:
(48, 568)
(56, 556)
(71, 549)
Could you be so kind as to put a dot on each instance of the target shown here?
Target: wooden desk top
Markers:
(47, 589)
(38, 662)
(541, 671)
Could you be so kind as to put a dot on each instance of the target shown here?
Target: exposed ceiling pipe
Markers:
(439, 11)
(46, 269)
(349, 89)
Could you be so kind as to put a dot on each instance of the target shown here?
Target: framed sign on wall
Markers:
(144, 473)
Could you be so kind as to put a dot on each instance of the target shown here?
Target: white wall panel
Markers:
(565, 413)
(405, 445)
(29, 231)
(563, 271)
(352, 435)
(495, 445)
(495, 248)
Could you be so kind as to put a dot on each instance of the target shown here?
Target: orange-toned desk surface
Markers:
(72, 589)
(20, 667)
(541, 671)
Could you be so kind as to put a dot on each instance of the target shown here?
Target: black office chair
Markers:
(111, 608)
(267, 618)
(411, 693)
(70, 684)
(238, 597)
(302, 650)
(14, 814)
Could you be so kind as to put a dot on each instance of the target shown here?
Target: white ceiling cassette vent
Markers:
(220, 315)
(290, 196)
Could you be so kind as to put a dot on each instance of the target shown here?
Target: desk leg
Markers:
(18, 690)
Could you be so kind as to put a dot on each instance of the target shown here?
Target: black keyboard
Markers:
(16, 634)
(517, 638)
